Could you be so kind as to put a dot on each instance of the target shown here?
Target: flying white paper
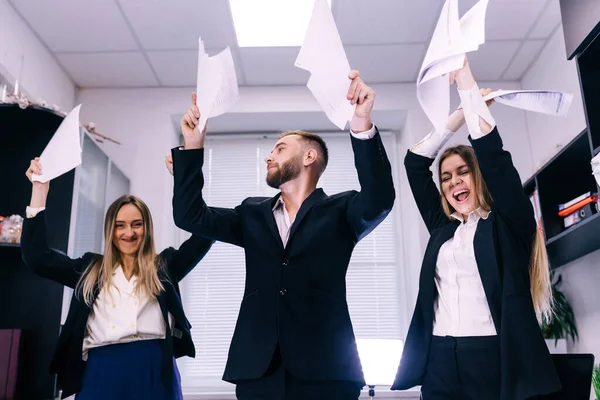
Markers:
(323, 55)
(228, 93)
(596, 163)
(596, 167)
(63, 152)
(451, 40)
(543, 101)
(217, 87)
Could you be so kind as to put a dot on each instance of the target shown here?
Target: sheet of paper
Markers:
(207, 85)
(472, 27)
(444, 38)
(63, 152)
(228, 93)
(337, 113)
(323, 55)
(216, 87)
(596, 165)
(543, 101)
(451, 40)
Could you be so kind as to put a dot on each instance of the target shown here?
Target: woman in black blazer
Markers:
(126, 323)
(484, 280)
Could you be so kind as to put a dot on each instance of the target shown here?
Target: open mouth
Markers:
(132, 240)
(461, 196)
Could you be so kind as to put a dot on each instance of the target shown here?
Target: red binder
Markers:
(578, 205)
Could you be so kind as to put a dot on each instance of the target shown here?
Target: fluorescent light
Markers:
(379, 359)
(271, 23)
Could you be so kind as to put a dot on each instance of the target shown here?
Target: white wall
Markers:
(42, 77)
(580, 285)
(581, 277)
(553, 71)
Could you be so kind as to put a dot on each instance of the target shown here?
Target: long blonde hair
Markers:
(99, 273)
(540, 285)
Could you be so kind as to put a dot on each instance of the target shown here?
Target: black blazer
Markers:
(503, 245)
(67, 360)
(294, 296)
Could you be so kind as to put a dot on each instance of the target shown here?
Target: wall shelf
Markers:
(575, 242)
(568, 174)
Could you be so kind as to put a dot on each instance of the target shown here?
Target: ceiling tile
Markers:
(75, 25)
(177, 24)
(508, 19)
(108, 69)
(272, 66)
(180, 67)
(526, 55)
(175, 68)
(387, 63)
(549, 20)
(490, 61)
(386, 21)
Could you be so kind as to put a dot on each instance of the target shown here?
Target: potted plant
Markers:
(561, 325)
(596, 381)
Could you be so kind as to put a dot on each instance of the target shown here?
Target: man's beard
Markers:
(284, 173)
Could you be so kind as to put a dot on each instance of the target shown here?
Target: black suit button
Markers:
(284, 263)
(282, 291)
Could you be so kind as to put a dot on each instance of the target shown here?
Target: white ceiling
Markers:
(151, 43)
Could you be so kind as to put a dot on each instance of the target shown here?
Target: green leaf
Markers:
(562, 323)
(596, 380)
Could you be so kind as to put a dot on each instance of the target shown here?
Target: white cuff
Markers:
(31, 212)
(431, 144)
(474, 107)
(366, 135)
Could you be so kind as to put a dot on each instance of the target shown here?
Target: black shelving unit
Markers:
(569, 173)
(30, 302)
(4, 244)
(566, 176)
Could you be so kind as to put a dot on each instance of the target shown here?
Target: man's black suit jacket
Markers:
(295, 296)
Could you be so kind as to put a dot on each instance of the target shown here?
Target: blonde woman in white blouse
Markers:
(126, 323)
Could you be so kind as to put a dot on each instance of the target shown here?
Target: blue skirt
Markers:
(129, 371)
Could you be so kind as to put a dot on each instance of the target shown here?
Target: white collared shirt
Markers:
(461, 308)
(282, 219)
(119, 315)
